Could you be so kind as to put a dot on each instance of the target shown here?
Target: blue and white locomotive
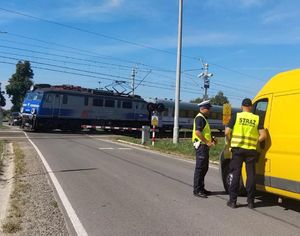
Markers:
(68, 107)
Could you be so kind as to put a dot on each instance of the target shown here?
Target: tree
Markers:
(19, 83)
(2, 100)
(219, 99)
(197, 100)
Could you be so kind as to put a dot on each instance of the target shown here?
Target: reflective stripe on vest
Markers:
(205, 132)
(245, 131)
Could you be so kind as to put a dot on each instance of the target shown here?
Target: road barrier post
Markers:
(145, 134)
(153, 135)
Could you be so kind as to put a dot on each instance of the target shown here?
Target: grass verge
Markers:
(183, 148)
(12, 224)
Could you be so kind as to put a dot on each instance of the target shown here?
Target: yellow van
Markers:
(278, 166)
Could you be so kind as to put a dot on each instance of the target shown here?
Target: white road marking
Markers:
(155, 152)
(80, 230)
(112, 148)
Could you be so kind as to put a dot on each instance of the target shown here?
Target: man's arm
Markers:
(262, 135)
(203, 139)
(227, 135)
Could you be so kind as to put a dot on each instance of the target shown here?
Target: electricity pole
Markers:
(178, 73)
(133, 74)
(205, 75)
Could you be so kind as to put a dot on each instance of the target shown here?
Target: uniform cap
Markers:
(247, 102)
(205, 104)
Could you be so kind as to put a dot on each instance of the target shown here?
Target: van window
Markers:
(260, 108)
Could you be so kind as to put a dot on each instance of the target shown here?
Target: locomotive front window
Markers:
(36, 96)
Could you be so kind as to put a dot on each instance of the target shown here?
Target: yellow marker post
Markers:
(226, 113)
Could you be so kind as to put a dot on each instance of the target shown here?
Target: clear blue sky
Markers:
(245, 42)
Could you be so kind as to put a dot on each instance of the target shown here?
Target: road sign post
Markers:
(154, 123)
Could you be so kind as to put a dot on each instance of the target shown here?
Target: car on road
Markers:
(15, 119)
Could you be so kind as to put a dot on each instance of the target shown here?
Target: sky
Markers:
(94, 43)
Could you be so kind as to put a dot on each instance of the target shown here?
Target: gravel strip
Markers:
(42, 214)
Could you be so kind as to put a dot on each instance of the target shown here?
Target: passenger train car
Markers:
(187, 113)
(64, 107)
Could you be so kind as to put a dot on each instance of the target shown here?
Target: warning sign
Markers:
(154, 120)
(226, 113)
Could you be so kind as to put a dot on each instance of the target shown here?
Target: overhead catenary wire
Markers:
(94, 33)
(89, 72)
(76, 58)
(138, 63)
(96, 77)
(91, 61)
(108, 57)
(121, 40)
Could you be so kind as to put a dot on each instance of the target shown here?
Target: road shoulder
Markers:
(38, 210)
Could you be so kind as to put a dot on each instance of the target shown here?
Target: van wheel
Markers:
(227, 176)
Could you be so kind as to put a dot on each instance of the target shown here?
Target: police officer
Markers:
(202, 142)
(243, 133)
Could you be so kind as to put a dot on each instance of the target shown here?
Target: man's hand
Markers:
(210, 143)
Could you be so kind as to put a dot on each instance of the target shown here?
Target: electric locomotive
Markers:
(67, 107)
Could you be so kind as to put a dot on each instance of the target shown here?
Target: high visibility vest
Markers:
(245, 131)
(205, 132)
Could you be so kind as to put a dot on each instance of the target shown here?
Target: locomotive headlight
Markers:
(33, 110)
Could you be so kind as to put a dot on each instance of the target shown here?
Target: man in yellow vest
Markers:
(243, 133)
(202, 141)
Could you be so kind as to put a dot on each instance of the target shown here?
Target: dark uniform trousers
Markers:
(201, 168)
(240, 155)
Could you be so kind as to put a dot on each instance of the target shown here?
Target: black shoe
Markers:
(207, 192)
(250, 205)
(231, 204)
(200, 194)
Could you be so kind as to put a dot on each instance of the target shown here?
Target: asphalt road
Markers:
(121, 190)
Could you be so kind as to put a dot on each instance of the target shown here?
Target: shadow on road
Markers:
(265, 200)
(71, 170)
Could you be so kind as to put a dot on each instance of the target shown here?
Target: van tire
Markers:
(227, 176)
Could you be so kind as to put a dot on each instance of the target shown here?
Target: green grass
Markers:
(183, 148)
